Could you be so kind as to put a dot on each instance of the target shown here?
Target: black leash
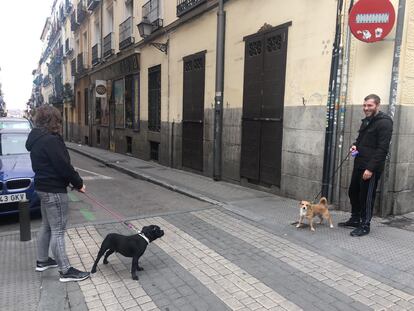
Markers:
(339, 166)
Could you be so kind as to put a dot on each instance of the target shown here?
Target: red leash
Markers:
(115, 215)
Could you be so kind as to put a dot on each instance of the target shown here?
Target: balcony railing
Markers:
(73, 21)
(151, 10)
(73, 66)
(183, 6)
(108, 45)
(92, 4)
(80, 12)
(95, 54)
(125, 33)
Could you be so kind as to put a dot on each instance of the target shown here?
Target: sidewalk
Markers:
(239, 253)
(387, 249)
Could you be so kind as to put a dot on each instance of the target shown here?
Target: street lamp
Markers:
(145, 28)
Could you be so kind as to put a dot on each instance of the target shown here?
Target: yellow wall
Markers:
(308, 59)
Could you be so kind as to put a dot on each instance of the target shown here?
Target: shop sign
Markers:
(100, 89)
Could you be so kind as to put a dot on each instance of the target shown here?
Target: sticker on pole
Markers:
(371, 20)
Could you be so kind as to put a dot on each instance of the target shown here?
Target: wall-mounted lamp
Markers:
(145, 28)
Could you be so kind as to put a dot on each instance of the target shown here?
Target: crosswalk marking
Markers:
(96, 176)
(231, 284)
(111, 287)
(377, 296)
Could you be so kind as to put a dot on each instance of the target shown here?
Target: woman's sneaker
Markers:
(73, 275)
(44, 265)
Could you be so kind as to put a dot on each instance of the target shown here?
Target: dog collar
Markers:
(144, 237)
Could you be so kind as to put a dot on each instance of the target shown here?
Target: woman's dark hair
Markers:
(48, 118)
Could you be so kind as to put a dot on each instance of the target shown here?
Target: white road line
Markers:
(231, 284)
(96, 178)
(362, 288)
(93, 173)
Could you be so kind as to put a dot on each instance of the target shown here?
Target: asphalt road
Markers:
(123, 195)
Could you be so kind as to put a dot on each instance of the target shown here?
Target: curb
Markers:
(145, 177)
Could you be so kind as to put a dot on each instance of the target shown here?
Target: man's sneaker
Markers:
(73, 275)
(350, 223)
(44, 265)
(361, 231)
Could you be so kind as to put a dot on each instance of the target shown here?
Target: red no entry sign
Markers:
(371, 20)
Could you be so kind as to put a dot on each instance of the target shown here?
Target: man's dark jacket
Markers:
(373, 142)
(51, 162)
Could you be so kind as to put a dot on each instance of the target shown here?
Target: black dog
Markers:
(129, 246)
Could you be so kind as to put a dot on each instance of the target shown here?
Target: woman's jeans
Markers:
(54, 207)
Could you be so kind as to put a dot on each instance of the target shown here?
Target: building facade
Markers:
(151, 94)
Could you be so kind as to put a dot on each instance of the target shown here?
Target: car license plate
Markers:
(9, 198)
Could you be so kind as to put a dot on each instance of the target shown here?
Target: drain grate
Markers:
(144, 167)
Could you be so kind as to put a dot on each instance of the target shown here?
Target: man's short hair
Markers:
(375, 97)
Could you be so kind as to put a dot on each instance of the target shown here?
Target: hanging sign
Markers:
(100, 88)
(371, 20)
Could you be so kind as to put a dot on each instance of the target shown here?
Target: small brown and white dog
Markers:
(309, 211)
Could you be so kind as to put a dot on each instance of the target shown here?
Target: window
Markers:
(119, 103)
(13, 144)
(104, 112)
(86, 103)
(129, 102)
(128, 8)
(15, 125)
(78, 103)
(136, 102)
(154, 98)
(98, 110)
(132, 102)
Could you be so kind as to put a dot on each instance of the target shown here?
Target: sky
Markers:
(21, 24)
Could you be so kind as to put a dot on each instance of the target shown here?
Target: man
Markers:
(371, 148)
(53, 173)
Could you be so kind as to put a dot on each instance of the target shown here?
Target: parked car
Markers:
(15, 123)
(16, 174)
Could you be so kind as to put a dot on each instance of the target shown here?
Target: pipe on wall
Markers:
(218, 99)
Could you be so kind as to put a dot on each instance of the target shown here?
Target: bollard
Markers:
(24, 219)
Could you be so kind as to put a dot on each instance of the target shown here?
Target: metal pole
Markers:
(334, 143)
(24, 220)
(385, 206)
(218, 99)
(330, 113)
(342, 109)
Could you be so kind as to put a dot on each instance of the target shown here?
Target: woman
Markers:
(53, 173)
